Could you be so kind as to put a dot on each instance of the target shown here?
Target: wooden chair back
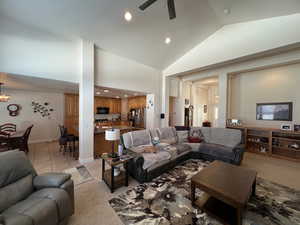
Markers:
(8, 127)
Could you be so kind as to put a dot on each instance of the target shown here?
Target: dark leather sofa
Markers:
(218, 144)
(30, 199)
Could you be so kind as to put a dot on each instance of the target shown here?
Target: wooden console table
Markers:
(271, 142)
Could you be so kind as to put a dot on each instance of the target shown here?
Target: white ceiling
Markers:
(143, 38)
(116, 93)
(211, 81)
(26, 83)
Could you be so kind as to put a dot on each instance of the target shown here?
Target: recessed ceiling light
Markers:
(98, 93)
(106, 91)
(168, 40)
(128, 16)
(226, 11)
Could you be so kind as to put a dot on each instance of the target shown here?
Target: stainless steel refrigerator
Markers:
(137, 117)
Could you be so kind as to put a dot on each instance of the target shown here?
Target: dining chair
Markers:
(8, 128)
(67, 141)
(21, 142)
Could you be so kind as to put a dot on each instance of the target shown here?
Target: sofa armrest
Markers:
(51, 180)
(239, 153)
(135, 167)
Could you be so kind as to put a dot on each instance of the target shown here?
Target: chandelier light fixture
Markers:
(3, 97)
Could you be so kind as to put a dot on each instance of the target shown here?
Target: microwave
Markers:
(102, 110)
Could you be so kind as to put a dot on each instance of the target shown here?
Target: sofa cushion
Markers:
(182, 136)
(136, 138)
(126, 139)
(224, 136)
(218, 151)
(167, 133)
(206, 133)
(181, 148)
(194, 146)
(169, 141)
(153, 133)
(151, 159)
(17, 219)
(59, 196)
(39, 210)
(140, 137)
(139, 149)
(15, 192)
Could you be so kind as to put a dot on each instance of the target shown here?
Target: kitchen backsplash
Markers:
(107, 116)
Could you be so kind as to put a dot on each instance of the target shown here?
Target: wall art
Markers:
(44, 109)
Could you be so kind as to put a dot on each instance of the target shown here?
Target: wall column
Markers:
(222, 112)
(86, 103)
(165, 100)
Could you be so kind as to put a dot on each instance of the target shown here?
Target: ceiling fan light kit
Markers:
(171, 7)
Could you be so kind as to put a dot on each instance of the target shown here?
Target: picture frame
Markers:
(286, 127)
(297, 127)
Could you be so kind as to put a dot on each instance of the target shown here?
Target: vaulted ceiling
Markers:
(143, 38)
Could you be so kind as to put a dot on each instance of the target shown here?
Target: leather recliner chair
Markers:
(30, 199)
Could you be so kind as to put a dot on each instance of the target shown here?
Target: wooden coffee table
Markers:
(227, 190)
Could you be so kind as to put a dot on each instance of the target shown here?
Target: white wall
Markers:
(279, 84)
(200, 98)
(239, 40)
(28, 51)
(44, 129)
(122, 73)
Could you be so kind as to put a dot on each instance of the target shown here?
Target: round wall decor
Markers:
(13, 109)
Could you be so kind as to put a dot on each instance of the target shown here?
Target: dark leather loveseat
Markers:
(30, 199)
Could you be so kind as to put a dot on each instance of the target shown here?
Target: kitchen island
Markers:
(101, 145)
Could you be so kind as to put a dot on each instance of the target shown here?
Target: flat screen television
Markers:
(280, 111)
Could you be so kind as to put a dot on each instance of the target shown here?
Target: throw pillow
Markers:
(169, 141)
(196, 132)
(194, 140)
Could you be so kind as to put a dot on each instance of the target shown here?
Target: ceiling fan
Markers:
(171, 7)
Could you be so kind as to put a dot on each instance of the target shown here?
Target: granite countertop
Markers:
(102, 129)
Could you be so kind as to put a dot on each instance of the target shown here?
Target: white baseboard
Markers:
(41, 141)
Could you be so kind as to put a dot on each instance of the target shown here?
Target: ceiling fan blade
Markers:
(171, 8)
(147, 4)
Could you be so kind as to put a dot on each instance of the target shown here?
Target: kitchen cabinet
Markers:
(113, 104)
(71, 117)
(71, 113)
(137, 102)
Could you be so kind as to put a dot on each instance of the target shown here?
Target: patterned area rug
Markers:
(166, 201)
(80, 174)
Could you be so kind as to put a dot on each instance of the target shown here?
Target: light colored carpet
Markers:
(79, 174)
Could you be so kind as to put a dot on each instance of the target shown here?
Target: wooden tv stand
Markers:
(271, 142)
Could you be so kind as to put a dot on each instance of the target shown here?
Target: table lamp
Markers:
(112, 135)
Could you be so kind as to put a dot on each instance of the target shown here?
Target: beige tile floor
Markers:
(92, 197)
